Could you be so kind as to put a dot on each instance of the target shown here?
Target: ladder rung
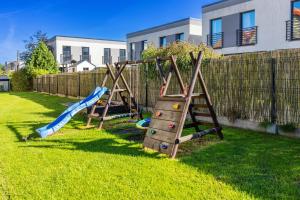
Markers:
(202, 114)
(198, 95)
(119, 90)
(200, 106)
(94, 116)
(195, 95)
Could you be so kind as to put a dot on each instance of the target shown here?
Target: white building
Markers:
(70, 50)
(14, 66)
(238, 26)
(189, 29)
(81, 67)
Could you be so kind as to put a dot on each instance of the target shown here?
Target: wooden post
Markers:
(273, 95)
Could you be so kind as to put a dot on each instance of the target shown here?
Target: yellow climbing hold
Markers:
(176, 106)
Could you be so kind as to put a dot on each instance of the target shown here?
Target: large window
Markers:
(85, 54)
(163, 41)
(179, 37)
(122, 55)
(247, 34)
(296, 19)
(144, 45)
(132, 51)
(66, 57)
(216, 34)
(248, 19)
(107, 56)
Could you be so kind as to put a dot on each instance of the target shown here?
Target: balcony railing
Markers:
(65, 59)
(216, 40)
(121, 58)
(293, 30)
(247, 36)
(106, 60)
(85, 58)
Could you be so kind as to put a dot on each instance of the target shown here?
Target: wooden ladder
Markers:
(171, 111)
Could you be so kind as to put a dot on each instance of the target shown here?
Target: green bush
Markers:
(20, 81)
(182, 52)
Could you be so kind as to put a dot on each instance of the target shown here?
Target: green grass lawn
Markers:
(88, 164)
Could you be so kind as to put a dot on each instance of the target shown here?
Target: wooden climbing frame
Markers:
(170, 112)
(131, 105)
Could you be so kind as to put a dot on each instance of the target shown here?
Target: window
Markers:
(163, 41)
(144, 45)
(180, 37)
(132, 51)
(247, 35)
(296, 19)
(248, 19)
(85, 54)
(85, 69)
(107, 56)
(122, 55)
(66, 57)
(216, 34)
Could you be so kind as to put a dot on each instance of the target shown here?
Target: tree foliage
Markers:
(31, 44)
(42, 60)
(179, 49)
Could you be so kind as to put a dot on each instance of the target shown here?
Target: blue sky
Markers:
(110, 19)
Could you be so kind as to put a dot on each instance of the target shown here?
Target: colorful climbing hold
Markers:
(176, 106)
(158, 114)
(171, 125)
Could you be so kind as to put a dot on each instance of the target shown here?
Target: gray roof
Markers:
(221, 4)
(84, 38)
(174, 24)
(4, 78)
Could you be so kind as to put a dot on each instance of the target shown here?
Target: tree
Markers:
(32, 43)
(2, 70)
(41, 61)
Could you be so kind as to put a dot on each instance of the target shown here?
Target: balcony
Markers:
(65, 59)
(247, 36)
(106, 60)
(85, 58)
(216, 40)
(293, 30)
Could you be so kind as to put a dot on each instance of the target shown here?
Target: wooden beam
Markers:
(196, 135)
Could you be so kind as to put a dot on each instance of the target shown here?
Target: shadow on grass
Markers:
(105, 145)
(264, 166)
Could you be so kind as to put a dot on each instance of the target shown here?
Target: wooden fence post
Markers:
(273, 95)
(79, 85)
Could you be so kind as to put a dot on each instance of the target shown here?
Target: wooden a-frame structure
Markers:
(171, 111)
(130, 104)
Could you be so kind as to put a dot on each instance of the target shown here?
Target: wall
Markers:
(153, 38)
(96, 48)
(271, 17)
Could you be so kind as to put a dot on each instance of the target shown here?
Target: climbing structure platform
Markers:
(172, 111)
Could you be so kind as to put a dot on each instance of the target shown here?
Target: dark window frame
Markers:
(211, 33)
(161, 45)
(177, 37)
(240, 31)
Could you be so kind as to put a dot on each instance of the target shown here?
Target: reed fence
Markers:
(257, 87)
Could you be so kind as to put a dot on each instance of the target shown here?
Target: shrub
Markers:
(20, 81)
(181, 50)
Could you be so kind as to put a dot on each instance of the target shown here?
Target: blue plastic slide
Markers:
(66, 116)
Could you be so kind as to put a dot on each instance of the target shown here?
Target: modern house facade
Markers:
(239, 26)
(188, 29)
(70, 50)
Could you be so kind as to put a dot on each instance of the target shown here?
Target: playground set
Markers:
(164, 129)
